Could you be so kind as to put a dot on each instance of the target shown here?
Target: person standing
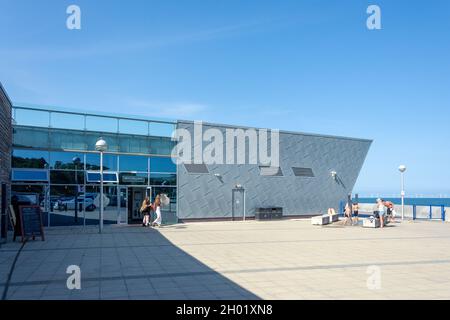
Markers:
(355, 209)
(157, 209)
(348, 214)
(389, 211)
(380, 206)
(145, 210)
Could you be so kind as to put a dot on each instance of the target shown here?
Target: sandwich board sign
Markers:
(31, 222)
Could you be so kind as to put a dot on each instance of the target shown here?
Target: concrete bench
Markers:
(373, 222)
(324, 220)
(334, 218)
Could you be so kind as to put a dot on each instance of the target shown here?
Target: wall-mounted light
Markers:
(334, 174)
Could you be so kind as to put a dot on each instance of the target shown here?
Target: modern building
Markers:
(55, 165)
(5, 159)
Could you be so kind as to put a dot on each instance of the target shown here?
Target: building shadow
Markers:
(125, 262)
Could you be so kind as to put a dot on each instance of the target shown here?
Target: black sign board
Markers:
(31, 222)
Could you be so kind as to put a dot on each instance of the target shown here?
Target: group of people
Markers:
(384, 211)
(146, 209)
(351, 213)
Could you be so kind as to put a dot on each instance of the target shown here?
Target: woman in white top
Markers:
(381, 212)
(157, 208)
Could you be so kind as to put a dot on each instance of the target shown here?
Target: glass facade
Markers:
(55, 165)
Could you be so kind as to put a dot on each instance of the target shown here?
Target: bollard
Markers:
(414, 212)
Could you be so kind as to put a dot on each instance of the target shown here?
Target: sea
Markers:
(411, 201)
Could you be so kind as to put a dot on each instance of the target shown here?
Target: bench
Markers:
(324, 219)
(373, 222)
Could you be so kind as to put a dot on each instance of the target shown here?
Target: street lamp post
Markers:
(101, 146)
(402, 170)
(76, 161)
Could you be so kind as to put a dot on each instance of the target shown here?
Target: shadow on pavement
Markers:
(125, 262)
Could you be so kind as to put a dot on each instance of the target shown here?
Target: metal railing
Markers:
(431, 214)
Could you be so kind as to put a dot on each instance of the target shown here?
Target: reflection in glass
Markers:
(92, 137)
(64, 139)
(162, 164)
(66, 207)
(161, 146)
(110, 214)
(66, 160)
(66, 177)
(93, 162)
(134, 144)
(31, 195)
(162, 179)
(35, 159)
(169, 212)
(31, 137)
(133, 163)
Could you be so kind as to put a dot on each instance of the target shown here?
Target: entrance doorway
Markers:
(135, 197)
(238, 204)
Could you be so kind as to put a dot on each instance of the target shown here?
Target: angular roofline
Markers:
(83, 112)
(145, 118)
(281, 131)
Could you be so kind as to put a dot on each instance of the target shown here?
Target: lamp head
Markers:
(101, 145)
(402, 168)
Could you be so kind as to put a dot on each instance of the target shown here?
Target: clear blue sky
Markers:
(309, 66)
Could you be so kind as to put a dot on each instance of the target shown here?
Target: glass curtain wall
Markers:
(70, 198)
(59, 145)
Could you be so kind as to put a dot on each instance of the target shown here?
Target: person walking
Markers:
(381, 213)
(157, 209)
(146, 208)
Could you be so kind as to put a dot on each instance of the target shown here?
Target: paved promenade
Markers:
(288, 259)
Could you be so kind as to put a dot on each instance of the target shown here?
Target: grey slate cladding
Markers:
(210, 195)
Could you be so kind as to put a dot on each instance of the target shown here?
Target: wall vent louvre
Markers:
(303, 172)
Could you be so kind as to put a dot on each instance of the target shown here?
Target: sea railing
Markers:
(411, 211)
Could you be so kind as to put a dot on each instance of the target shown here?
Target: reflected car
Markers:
(69, 204)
